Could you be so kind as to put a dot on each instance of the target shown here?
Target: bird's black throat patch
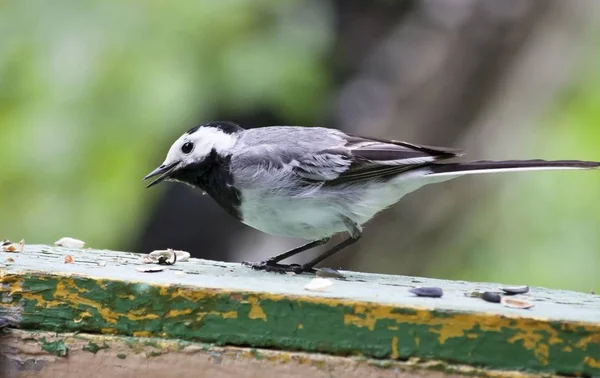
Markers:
(212, 176)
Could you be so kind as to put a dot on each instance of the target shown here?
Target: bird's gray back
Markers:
(295, 138)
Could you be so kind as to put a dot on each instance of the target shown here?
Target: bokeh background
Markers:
(92, 94)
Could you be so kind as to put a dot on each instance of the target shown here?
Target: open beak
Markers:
(163, 172)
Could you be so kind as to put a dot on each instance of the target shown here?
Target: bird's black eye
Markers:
(187, 147)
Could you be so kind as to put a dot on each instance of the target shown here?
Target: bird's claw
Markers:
(269, 266)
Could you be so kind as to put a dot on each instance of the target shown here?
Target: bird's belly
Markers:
(330, 211)
(299, 218)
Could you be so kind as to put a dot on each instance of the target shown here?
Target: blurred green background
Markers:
(92, 94)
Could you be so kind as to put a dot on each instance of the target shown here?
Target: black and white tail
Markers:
(459, 169)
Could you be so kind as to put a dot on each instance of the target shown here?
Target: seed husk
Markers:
(516, 303)
(513, 290)
(318, 284)
(431, 292)
(329, 273)
(149, 269)
(68, 242)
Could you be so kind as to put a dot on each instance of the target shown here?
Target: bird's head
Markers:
(192, 149)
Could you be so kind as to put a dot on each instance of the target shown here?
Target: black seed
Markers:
(512, 290)
(432, 292)
(164, 260)
(329, 272)
(491, 296)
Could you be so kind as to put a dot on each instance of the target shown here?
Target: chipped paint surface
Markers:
(140, 353)
(312, 323)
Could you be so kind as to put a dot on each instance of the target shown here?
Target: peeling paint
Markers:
(57, 347)
(395, 355)
(255, 311)
(330, 325)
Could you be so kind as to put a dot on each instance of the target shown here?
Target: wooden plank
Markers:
(25, 354)
(370, 315)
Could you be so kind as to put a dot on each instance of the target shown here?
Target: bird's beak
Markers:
(164, 171)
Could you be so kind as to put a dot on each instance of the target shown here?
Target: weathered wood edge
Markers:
(45, 354)
(43, 293)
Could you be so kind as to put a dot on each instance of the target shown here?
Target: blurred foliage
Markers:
(94, 93)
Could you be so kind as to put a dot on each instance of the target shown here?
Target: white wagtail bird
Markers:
(313, 182)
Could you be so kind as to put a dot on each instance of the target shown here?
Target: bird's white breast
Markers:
(308, 218)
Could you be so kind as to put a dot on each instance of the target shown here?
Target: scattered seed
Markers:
(149, 269)
(10, 260)
(516, 303)
(68, 259)
(474, 294)
(491, 296)
(147, 260)
(8, 246)
(69, 243)
(329, 272)
(318, 284)
(101, 263)
(512, 290)
(431, 292)
(169, 253)
(164, 260)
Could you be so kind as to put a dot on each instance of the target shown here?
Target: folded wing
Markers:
(329, 156)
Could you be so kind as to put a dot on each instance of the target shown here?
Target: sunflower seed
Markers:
(149, 269)
(431, 292)
(491, 296)
(69, 243)
(329, 272)
(512, 290)
(318, 284)
(180, 256)
(516, 303)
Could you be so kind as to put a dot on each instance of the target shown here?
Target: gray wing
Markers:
(316, 154)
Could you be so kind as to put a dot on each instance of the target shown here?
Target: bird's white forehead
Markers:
(205, 139)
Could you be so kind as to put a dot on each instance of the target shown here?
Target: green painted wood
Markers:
(65, 355)
(366, 314)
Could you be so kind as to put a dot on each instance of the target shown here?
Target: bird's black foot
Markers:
(269, 266)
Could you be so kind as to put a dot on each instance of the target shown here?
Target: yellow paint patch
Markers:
(224, 315)
(592, 362)
(256, 312)
(395, 354)
(140, 314)
(174, 313)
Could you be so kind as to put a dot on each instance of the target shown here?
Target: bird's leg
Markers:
(271, 264)
(355, 232)
(308, 267)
